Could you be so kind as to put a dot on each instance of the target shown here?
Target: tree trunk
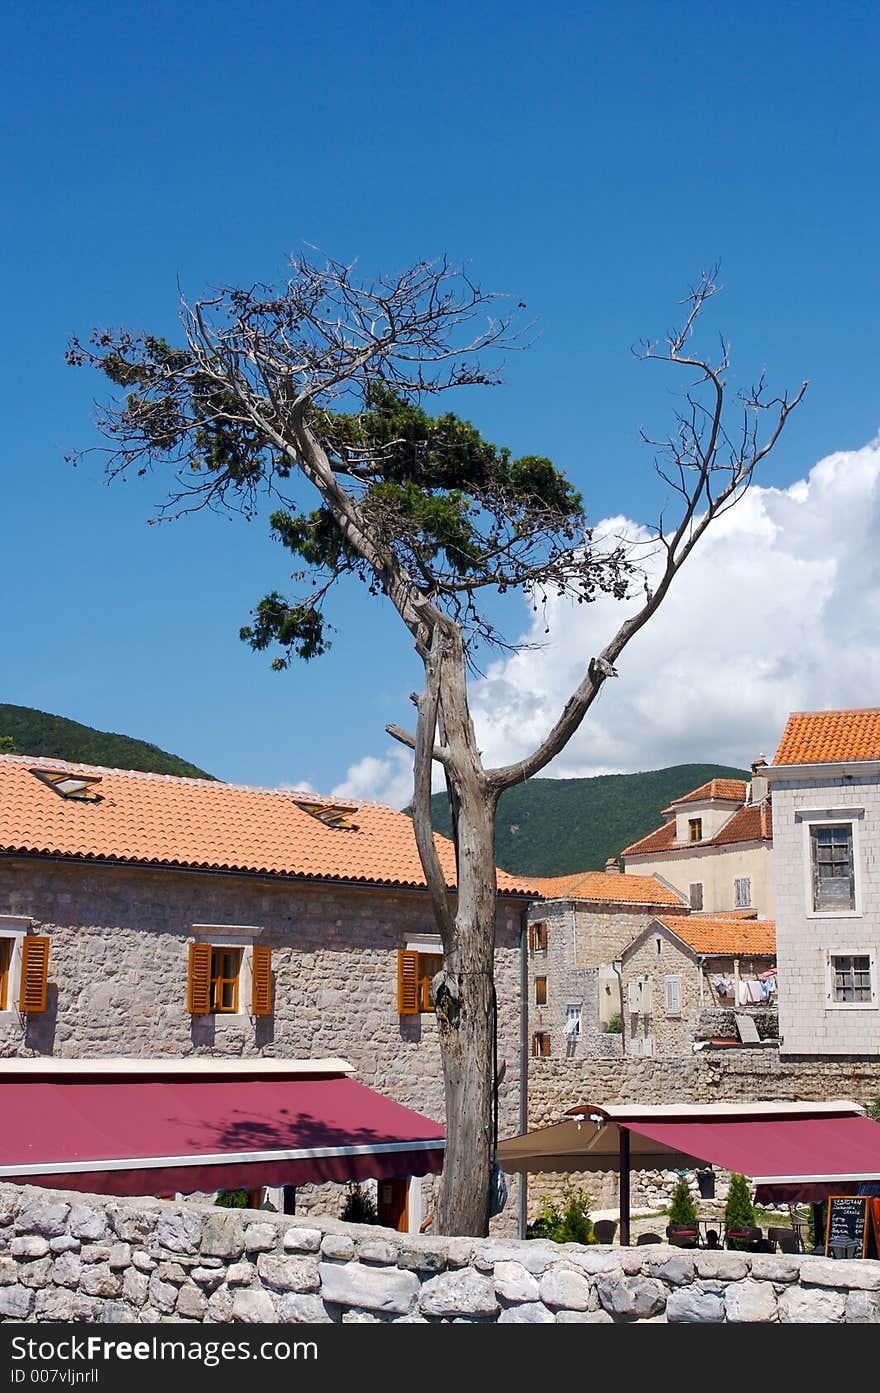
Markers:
(464, 999)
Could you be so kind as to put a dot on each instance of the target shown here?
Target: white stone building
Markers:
(825, 779)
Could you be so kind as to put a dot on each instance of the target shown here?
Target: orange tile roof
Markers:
(662, 839)
(724, 934)
(163, 820)
(606, 888)
(751, 824)
(820, 737)
(724, 790)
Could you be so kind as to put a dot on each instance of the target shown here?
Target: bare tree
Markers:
(322, 381)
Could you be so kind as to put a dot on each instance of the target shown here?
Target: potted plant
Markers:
(739, 1212)
(683, 1227)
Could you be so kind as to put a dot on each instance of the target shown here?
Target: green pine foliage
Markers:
(233, 1199)
(739, 1211)
(558, 826)
(359, 1206)
(682, 1210)
(29, 732)
(565, 1222)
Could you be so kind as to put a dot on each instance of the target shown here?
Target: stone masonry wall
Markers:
(734, 1076)
(118, 967)
(74, 1257)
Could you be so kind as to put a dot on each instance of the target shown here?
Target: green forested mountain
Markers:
(557, 826)
(39, 733)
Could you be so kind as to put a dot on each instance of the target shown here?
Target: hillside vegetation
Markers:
(40, 734)
(557, 826)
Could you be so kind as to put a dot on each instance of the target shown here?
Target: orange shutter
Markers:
(261, 981)
(198, 984)
(407, 983)
(34, 973)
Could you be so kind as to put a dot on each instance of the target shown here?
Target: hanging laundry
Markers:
(723, 985)
(749, 992)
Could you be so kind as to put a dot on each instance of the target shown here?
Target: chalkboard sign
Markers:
(852, 1220)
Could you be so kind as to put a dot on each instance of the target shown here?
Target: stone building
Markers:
(715, 847)
(576, 937)
(682, 970)
(146, 915)
(825, 779)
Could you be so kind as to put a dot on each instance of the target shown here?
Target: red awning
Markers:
(142, 1136)
(780, 1150)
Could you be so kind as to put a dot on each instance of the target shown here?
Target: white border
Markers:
(215, 1158)
(831, 817)
(830, 1003)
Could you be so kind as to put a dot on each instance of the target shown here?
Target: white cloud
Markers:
(387, 780)
(777, 610)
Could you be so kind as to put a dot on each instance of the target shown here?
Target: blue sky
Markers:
(587, 159)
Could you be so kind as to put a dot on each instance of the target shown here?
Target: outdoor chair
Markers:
(604, 1230)
(648, 1238)
(745, 1238)
(785, 1239)
(680, 1236)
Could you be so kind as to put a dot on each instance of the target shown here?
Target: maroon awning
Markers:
(142, 1136)
(781, 1150)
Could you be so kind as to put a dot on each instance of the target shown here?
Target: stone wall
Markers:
(85, 1258)
(739, 1075)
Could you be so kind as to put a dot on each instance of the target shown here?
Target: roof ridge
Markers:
(280, 790)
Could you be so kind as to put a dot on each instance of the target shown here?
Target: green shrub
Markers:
(614, 1026)
(873, 1110)
(359, 1207)
(739, 1212)
(233, 1199)
(568, 1222)
(682, 1210)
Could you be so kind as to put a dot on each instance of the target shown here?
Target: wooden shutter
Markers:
(673, 996)
(34, 973)
(634, 995)
(261, 981)
(198, 982)
(407, 982)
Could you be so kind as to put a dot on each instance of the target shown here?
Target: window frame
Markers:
(14, 929)
(540, 991)
(539, 937)
(428, 952)
(832, 817)
(540, 1044)
(692, 886)
(832, 954)
(695, 830)
(672, 1013)
(227, 938)
(739, 903)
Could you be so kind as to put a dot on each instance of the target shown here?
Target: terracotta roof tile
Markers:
(818, 737)
(724, 934)
(750, 824)
(660, 840)
(607, 888)
(721, 790)
(160, 819)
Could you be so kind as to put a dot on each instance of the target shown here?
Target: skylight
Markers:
(331, 814)
(78, 786)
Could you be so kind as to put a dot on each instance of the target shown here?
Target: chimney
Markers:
(612, 866)
(760, 785)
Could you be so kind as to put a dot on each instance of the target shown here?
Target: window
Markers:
(222, 975)
(540, 991)
(673, 995)
(742, 892)
(851, 979)
(831, 848)
(414, 973)
(573, 1022)
(538, 937)
(695, 894)
(540, 1045)
(24, 966)
(695, 829)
